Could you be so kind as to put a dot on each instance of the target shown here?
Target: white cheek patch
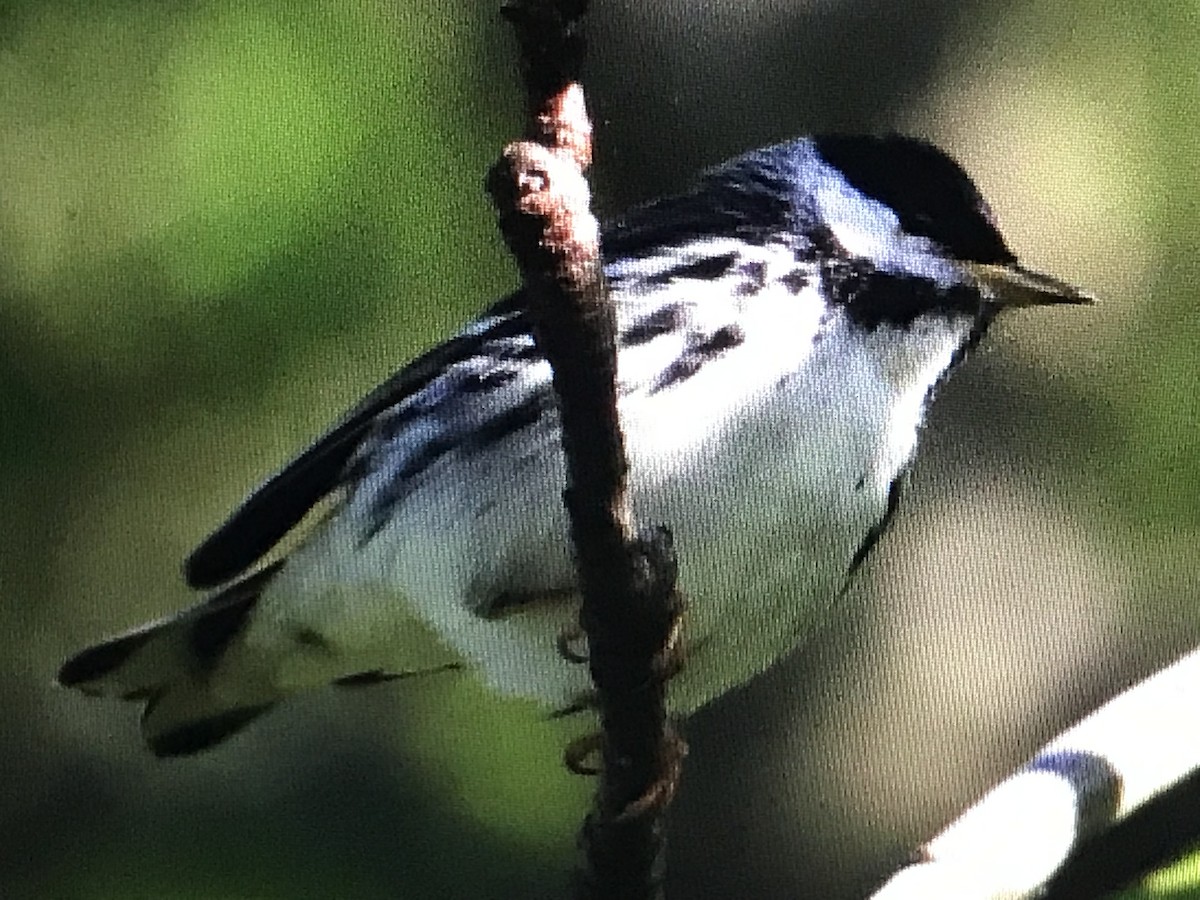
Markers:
(870, 230)
(861, 225)
(856, 240)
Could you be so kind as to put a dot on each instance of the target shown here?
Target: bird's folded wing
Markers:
(279, 503)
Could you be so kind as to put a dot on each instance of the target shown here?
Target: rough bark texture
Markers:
(631, 610)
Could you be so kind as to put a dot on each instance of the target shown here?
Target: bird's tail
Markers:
(180, 668)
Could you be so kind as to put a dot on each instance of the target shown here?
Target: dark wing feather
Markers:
(277, 505)
(749, 198)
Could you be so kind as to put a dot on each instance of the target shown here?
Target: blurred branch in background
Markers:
(1054, 829)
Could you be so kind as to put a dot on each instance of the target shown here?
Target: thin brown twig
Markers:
(631, 609)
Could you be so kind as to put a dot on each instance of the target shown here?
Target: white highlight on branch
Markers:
(1013, 840)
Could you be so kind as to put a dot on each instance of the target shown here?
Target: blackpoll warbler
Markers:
(782, 327)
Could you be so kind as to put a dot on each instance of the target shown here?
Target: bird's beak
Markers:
(1017, 286)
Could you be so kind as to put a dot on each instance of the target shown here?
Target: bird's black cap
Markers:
(929, 192)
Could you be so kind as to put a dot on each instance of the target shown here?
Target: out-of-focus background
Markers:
(221, 222)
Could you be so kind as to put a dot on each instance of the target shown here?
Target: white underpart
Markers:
(770, 465)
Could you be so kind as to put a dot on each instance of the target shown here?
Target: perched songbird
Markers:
(782, 327)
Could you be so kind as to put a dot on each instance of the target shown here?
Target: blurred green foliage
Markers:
(221, 222)
(1177, 882)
